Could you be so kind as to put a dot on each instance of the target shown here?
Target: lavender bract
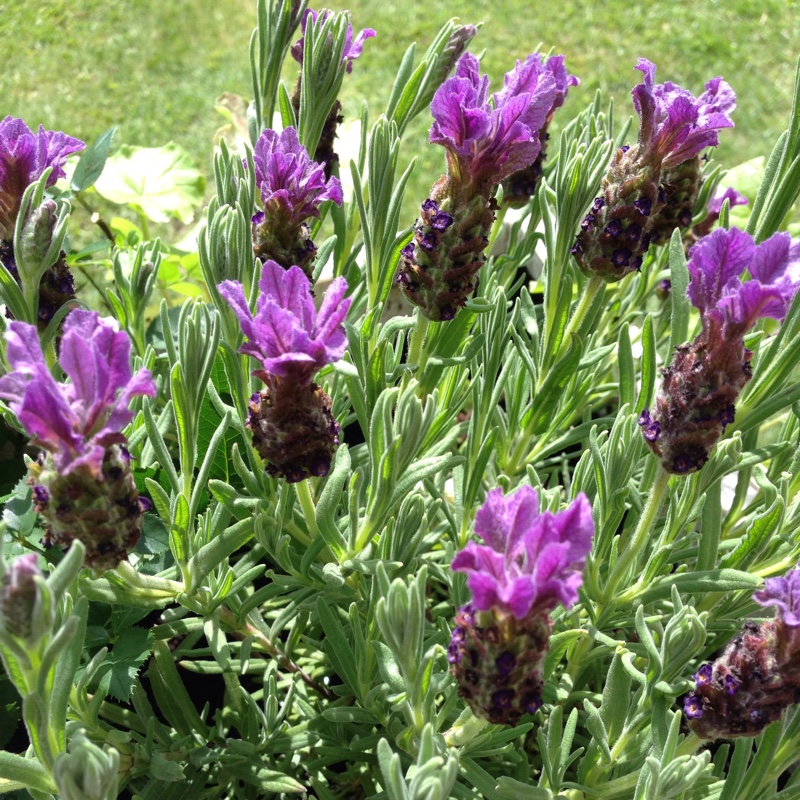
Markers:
(700, 387)
(519, 187)
(82, 484)
(291, 421)
(292, 188)
(484, 142)
(352, 46)
(530, 563)
(714, 208)
(674, 128)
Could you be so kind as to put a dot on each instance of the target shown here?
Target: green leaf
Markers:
(92, 162)
(126, 657)
(679, 276)
(161, 181)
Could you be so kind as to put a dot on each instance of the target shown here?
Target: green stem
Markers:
(628, 557)
(309, 509)
(417, 356)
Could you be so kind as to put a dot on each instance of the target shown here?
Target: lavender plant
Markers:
(523, 542)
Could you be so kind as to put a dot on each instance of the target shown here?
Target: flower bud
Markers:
(37, 233)
(87, 772)
(18, 591)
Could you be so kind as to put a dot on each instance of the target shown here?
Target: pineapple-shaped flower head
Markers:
(674, 128)
(293, 427)
(758, 674)
(519, 187)
(292, 188)
(700, 387)
(82, 482)
(353, 47)
(530, 563)
(485, 141)
(24, 156)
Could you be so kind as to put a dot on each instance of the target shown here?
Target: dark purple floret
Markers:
(633, 232)
(681, 464)
(40, 495)
(731, 685)
(407, 252)
(625, 148)
(258, 217)
(144, 504)
(599, 202)
(505, 663)
(636, 263)
(614, 228)
(442, 221)
(621, 257)
(644, 206)
(575, 249)
(431, 206)
(727, 415)
(503, 699)
(447, 313)
(532, 703)
(428, 241)
(693, 706)
(685, 219)
(587, 222)
(704, 675)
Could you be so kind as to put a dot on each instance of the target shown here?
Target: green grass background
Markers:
(153, 68)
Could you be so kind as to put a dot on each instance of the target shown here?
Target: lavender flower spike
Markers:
(700, 387)
(530, 563)
(76, 421)
(758, 675)
(24, 156)
(292, 188)
(293, 427)
(352, 46)
(486, 142)
(82, 483)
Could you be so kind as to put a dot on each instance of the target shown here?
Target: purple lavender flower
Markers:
(292, 188)
(521, 185)
(531, 561)
(24, 156)
(715, 289)
(286, 176)
(78, 420)
(784, 593)
(697, 397)
(730, 194)
(485, 141)
(82, 484)
(287, 335)
(352, 46)
(654, 184)
(18, 592)
(676, 126)
(293, 427)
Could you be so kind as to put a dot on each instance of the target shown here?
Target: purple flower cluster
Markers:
(674, 125)
(660, 175)
(74, 421)
(352, 46)
(288, 178)
(24, 156)
(287, 335)
(293, 427)
(700, 387)
(485, 141)
(530, 563)
(757, 676)
(292, 188)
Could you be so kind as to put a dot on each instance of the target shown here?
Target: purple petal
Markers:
(785, 594)
(715, 260)
(735, 199)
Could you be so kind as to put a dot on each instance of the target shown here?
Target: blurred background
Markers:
(154, 70)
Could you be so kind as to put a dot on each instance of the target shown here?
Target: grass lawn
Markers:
(154, 69)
